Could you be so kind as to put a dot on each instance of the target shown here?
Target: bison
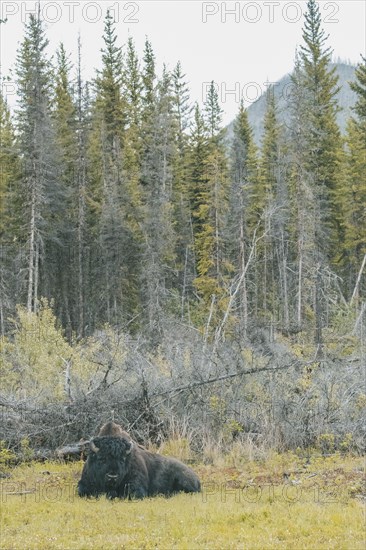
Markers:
(119, 468)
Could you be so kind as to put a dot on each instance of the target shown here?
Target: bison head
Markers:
(106, 466)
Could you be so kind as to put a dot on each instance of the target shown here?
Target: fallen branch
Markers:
(359, 318)
(232, 375)
(72, 451)
(355, 290)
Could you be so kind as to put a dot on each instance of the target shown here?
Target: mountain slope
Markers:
(282, 88)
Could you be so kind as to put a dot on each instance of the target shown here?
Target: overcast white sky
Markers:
(239, 45)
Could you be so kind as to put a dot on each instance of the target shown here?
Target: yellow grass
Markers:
(278, 503)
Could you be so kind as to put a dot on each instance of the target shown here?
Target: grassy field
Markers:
(281, 502)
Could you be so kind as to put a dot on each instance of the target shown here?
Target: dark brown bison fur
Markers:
(112, 430)
(117, 467)
(115, 430)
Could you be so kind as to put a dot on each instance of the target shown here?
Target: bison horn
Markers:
(130, 448)
(93, 447)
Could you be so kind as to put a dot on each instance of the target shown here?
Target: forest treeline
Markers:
(125, 205)
(121, 201)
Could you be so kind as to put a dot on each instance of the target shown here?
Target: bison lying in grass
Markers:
(120, 468)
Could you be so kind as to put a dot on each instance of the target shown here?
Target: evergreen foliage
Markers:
(131, 206)
(352, 194)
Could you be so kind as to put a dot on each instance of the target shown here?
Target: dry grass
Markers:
(279, 502)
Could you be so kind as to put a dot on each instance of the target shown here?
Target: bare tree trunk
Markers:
(359, 319)
(355, 290)
(31, 259)
(80, 263)
(265, 269)
(301, 244)
(81, 202)
(285, 286)
(244, 295)
(36, 276)
(207, 328)
(184, 282)
(234, 293)
(217, 232)
(2, 327)
(299, 290)
(318, 312)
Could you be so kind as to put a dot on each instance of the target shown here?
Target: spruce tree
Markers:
(132, 85)
(84, 240)
(352, 195)
(270, 216)
(301, 199)
(109, 188)
(64, 114)
(41, 192)
(110, 102)
(182, 106)
(181, 200)
(149, 103)
(321, 160)
(158, 251)
(211, 211)
(198, 146)
(323, 147)
(213, 115)
(10, 216)
(243, 174)
(64, 118)
(132, 90)
(149, 78)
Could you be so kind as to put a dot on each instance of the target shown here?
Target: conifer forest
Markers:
(162, 271)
